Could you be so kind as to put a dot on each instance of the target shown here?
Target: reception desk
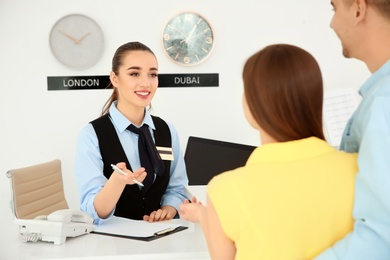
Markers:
(186, 244)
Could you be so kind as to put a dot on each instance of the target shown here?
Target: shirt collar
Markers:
(291, 151)
(384, 70)
(121, 122)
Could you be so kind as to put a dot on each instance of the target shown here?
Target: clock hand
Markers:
(70, 37)
(189, 36)
(82, 38)
(173, 27)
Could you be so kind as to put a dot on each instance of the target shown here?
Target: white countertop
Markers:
(186, 244)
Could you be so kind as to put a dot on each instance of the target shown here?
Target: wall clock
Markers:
(77, 41)
(188, 38)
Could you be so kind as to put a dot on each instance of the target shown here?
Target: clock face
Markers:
(188, 38)
(77, 41)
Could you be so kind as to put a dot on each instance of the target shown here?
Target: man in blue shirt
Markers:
(363, 27)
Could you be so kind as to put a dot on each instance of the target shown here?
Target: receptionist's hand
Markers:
(165, 213)
(138, 175)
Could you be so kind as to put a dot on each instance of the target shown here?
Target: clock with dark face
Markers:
(188, 38)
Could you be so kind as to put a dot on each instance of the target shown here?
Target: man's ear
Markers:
(360, 7)
(113, 79)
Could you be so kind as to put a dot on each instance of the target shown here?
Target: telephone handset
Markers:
(56, 226)
(67, 216)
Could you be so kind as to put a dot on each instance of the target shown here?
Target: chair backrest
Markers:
(37, 190)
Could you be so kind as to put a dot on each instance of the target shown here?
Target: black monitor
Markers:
(206, 158)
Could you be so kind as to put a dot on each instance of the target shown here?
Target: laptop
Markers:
(206, 158)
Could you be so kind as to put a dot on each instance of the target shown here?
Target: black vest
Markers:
(133, 203)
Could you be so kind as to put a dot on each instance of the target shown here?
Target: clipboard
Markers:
(137, 229)
(156, 235)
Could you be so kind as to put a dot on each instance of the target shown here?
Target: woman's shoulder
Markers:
(343, 155)
(231, 176)
(170, 125)
(87, 129)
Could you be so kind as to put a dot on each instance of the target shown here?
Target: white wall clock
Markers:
(188, 38)
(77, 41)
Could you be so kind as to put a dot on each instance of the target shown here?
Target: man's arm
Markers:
(370, 238)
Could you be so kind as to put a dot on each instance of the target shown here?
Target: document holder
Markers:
(137, 229)
(157, 235)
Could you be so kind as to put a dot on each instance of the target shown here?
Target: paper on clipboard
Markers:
(136, 229)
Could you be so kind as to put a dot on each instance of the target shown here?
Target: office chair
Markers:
(37, 190)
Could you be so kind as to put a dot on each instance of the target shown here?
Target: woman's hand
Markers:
(106, 200)
(192, 212)
(139, 174)
(165, 213)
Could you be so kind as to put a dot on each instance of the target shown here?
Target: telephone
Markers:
(56, 227)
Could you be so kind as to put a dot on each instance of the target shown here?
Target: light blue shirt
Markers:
(368, 133)
(89, 164)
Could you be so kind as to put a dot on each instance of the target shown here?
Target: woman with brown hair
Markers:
(126, 136)
(294, 196)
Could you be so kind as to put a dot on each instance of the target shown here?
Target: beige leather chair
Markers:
(37, 190)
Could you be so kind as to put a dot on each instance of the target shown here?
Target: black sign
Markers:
(103, 82)
(188, 80)
(78, 82)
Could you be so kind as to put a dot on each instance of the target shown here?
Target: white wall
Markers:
(39, 125)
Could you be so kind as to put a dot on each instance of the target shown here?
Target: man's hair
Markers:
(382, 6)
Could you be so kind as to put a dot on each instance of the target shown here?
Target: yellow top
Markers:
(291, 200)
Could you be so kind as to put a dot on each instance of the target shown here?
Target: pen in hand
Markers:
(115, 168)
